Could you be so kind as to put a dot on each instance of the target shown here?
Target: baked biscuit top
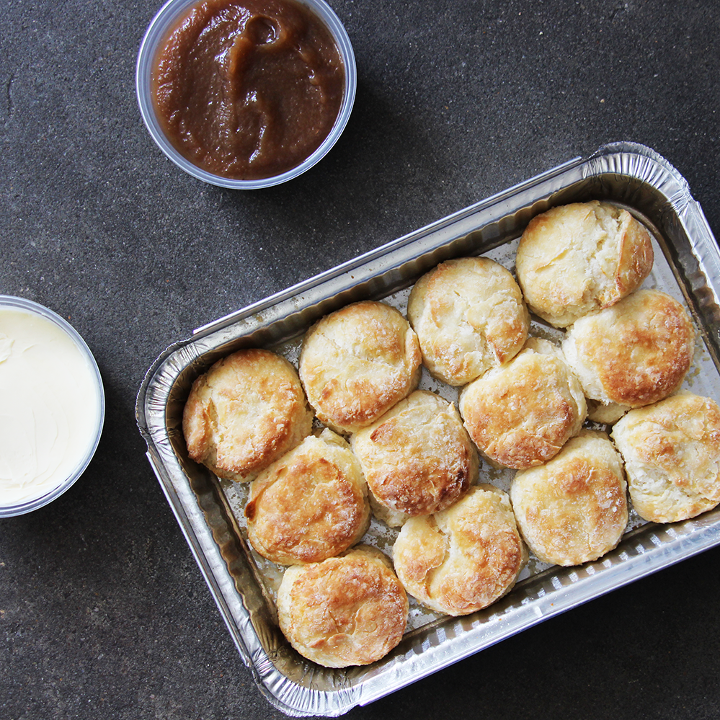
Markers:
(470, 316)
(578, 258)
(244, 413)
(357, 362)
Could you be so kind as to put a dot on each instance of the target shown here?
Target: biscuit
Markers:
(605, 413)
(470, 316)
(634, 353)
(672, 457)
(349, 610)
(309, 505)
(357, 362)
(464, 558)
(573, 508)
(245, 412)
(579, 258)
(523, 412)
(417, 458)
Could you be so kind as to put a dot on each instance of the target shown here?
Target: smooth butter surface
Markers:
(49, 406)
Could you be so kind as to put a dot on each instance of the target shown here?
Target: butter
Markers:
(50, 407)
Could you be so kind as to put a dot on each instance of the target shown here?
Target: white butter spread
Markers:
(49, 406)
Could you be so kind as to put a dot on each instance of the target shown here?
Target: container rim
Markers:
(19, 303)
(615, 171)
(156, 32)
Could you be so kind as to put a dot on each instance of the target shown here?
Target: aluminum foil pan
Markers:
(210, 511)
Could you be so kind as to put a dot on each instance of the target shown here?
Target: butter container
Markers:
(210, 512)
(53, 406)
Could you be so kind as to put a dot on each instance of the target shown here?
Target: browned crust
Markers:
(357, 362)
(582, 257)
(309, 505)
(574, 508)
(641, 348)
(245, 412)
(470, 316)
(503, 332)
(521, 415)
(350, 610)
(464, 558)
(417, 459)
(672, 456)
(635, 263)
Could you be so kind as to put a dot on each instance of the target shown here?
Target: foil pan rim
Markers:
(455, 638)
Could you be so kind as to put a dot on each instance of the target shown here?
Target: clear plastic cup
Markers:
(89, 433)
(155, 34)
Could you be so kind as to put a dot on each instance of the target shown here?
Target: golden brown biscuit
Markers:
(575, 259)
(672, 457)
(634, 353)
(574, 508)
(464, 558)
(309, 505)
(470, 316)
(523, 412)
(417, 458)
(246, 411)
(349, 610)
(357, 362)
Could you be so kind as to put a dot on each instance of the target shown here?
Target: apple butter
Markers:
(247, 89)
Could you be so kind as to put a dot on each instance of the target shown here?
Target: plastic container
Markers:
(75, 429)
(155, 34)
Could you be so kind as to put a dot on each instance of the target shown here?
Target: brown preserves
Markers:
(248, 89)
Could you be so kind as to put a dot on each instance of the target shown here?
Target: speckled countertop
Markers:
(103, 611)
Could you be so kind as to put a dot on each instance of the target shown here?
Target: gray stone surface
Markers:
(103, 612)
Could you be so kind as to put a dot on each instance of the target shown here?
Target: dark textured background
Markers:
(103, 612)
